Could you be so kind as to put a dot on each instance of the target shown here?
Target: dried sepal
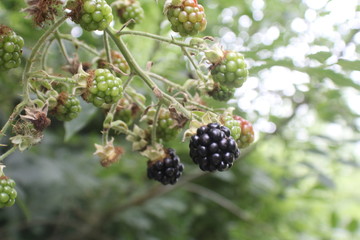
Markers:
(42, 11)
(108, 154)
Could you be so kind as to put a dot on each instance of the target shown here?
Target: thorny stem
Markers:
(7, 153)
(198, 71)
(200, 106)
(153, 131)
(169, 100)
(44, 54)
(53, 78)
(156, 37)
(129, 95)
(33, 54)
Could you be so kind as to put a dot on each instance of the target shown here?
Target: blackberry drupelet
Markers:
(221, 93)
(167, 170)
(212, 148)
(10, 48)
(247, 132)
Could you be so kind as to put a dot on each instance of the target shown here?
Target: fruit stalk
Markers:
(7, 153)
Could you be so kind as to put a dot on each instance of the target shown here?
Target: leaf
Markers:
(74, 126)
(353, 225)
(349, 65)
(337, 78)
(320, 56)
(334, 220)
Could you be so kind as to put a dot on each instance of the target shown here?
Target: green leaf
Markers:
(353, 225)
(337, 78)
(349, 65)
(320, 56)
(334, 220)
(87, 113)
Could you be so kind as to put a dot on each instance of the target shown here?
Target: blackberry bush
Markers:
(91, 14)
(67, 108)
(230, 70)
(103, 87)
(187, 17)
(212, 148)
(129, 9)
(167, 170)
(10, 48)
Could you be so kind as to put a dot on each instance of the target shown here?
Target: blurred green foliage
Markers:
(298, 181)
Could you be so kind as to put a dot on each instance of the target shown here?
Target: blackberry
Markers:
(221, 93)
(103, 87)
(129, 9)
(212, 148)
(231, 71)
(67, 108)
(91, 14)
(166, 128)
(167, 170)
(234, 127)
(118, 61)
(247, 133)
(187, 17)
(10, 48)
(7, 192)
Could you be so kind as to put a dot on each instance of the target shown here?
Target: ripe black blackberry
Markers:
(212, 148)
(167, 170)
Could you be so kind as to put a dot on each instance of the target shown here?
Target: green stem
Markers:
(129, 95)
(45, 54)
(156, 37)
(14, 114)
(198, 71)
(62, 47)
(153, 132)
(8, 152)
(107, 48)
(127, 82)
(54, 78)
(34, 53)
(200, 106)
(168, 82)
(142, 74)
(76, 42)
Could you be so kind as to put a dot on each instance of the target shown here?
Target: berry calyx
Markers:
(91, 14)
(187, 17)
(127, 112)
(67, 108)
(212, 148)
(247, 132)
(103, 87)
(118, 61)
(166, 170)
(231, 70)
(221, 93)
(129, 9)
(10, 48)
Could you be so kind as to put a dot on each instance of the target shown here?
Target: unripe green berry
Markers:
(10, 48)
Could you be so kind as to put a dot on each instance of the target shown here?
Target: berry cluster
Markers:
(247, 132)
(91, 14)
(67, 108)
(130, 9)
(118, 61)
(7, 192)
(103, 87)
(212, 148)
(127, 112)
(10, 48)
(187, 18)
(166, 128)
(221, 93)
(167, 170)
(231, 71)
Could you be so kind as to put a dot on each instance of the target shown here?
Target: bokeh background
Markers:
(299, 180)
